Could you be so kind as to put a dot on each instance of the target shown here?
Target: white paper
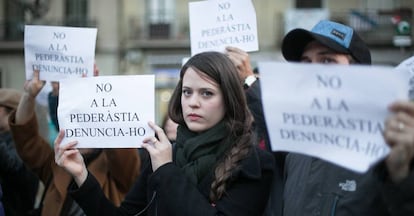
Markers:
(216, 24)
(408, 66)
(333, 112)
(59, 52)
(107, 111)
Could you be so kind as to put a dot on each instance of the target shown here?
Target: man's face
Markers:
(315, 52)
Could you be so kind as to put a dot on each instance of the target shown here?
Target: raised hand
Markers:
(160, 149)
(33, 86)
(95, 70)
(241, 60)
(26, 108)
(399, 135)
(70, 159)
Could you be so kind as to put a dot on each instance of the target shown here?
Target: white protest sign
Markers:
(216, 24)
(332, 112)
(408, 66)
(107, 111)
(59, 52)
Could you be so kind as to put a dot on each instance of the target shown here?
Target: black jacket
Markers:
(19, 183)
(1, 204)
(169, 192)
(316, 187)
(254, 102)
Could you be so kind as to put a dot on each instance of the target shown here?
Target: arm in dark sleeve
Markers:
(399, 198)
(1, 204)
(10, 161)
(254, 102)
(93, 201)
(175, 194)
(32, 148)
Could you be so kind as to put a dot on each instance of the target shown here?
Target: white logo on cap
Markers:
(338, 34)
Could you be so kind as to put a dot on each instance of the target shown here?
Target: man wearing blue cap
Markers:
(316, 187)
(335, 39)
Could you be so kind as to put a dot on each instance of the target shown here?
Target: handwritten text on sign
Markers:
(333, 112)
(59, 52)
(107, 111)
(216, 24)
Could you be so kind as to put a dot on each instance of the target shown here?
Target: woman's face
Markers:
(202, 101)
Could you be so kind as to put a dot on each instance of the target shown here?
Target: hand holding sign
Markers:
(399, 134)
(159, 149)
(70, 158)
(25, 110)
(35, 85)
(241, 59)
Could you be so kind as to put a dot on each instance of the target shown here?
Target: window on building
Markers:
(308, 3)
(160, 11)
(160, 16)
(76, 13)
(14, 20)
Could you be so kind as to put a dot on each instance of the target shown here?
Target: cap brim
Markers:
(296, 40)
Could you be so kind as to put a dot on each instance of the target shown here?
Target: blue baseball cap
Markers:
(336, 36)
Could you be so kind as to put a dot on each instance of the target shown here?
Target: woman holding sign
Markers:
(215, 163)
(116, 169)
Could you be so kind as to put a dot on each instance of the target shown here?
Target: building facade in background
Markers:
(152, 36)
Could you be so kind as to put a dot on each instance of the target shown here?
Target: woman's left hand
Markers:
(160, 149)
(399, 135)
(70, 159)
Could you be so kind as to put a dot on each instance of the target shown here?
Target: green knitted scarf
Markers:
(198, 153)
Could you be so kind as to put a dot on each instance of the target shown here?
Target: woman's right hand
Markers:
(70, 159)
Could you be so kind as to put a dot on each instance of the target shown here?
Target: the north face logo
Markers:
(348, 185)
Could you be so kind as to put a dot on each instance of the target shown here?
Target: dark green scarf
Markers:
(197, 153)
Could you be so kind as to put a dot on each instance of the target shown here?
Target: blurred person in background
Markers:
(20, 185)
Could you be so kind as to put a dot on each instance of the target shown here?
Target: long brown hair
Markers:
(219, 68)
